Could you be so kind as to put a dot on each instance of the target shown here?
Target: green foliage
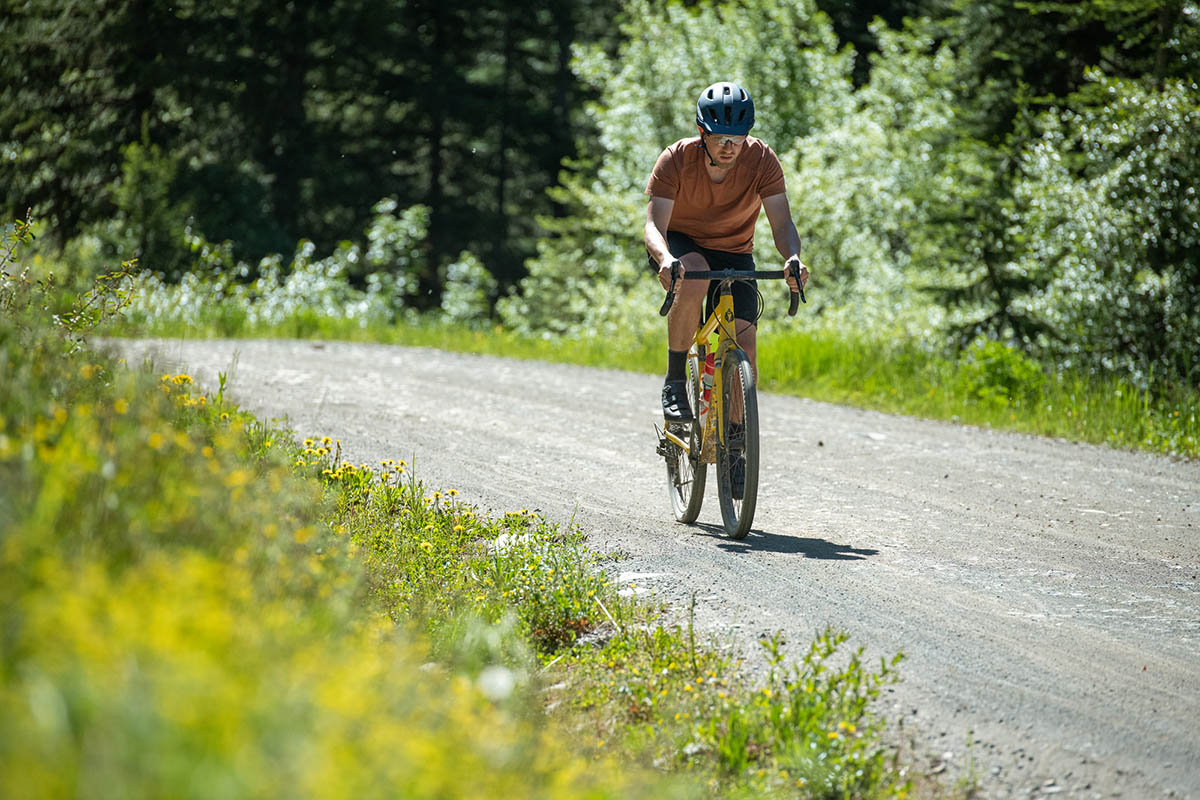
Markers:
(865, 189)
(150, 225)
(1157, 39)
(30, 298)
(181, 615)
(288, 120)
(810, 723)
(991, 372)
(468, 291)
(395, 245)
(76, 85)
(901, 376)
(1012, 169)
(854, 21)
(1112, 204)
(805, 731)
(346, 290)
(432, 560)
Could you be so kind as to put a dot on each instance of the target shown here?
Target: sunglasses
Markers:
(724, 140)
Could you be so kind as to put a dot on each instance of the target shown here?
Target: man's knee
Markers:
(694, 291)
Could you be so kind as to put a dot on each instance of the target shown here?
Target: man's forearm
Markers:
(787, 242)
(656, 244)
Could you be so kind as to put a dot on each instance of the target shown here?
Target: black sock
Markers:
(676, 365)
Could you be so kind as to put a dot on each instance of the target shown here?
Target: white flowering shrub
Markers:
(395, 245)
(860, 187)
(1113, 207)
(363, 288)
(468, 289)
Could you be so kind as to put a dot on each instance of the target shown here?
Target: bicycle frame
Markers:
(721, 321)
(713, 438)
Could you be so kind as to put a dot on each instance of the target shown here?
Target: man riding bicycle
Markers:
(705, 196)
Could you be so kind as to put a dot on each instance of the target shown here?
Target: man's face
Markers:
(724, 148)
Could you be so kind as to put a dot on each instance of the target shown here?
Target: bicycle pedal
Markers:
(663, 443)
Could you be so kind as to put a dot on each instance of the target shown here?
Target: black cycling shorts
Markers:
(745, 293)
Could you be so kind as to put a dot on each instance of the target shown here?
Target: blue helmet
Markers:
(725, 108)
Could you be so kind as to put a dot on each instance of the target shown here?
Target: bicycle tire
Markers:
(686, 473)
(738, 379)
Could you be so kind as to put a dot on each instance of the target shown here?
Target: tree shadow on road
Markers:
(777, 543)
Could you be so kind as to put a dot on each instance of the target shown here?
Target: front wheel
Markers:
(737, 445)
(686, 473)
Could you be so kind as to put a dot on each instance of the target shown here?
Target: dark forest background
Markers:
(267, 122)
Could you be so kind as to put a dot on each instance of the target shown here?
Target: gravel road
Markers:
(1045, 594)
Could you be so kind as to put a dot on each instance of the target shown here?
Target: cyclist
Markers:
(705, 196)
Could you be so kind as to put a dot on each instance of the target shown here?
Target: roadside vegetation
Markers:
(196, 604)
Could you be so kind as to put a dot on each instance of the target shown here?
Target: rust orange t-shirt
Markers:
(719, 216)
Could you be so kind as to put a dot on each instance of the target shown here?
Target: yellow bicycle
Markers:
(724, 430)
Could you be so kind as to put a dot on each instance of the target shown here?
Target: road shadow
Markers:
(760, 540)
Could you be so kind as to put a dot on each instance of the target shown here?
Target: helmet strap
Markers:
(704, 146)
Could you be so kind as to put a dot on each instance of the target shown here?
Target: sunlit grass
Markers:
(990, 385)
(629, 686)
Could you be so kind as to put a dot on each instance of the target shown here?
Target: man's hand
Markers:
(791, 279)
(664, 271)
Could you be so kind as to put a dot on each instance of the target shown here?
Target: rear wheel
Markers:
(686, 474)
(738, 442)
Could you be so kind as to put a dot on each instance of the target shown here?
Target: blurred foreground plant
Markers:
(179, 617)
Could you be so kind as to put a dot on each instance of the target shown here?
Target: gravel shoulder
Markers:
(1044, 593)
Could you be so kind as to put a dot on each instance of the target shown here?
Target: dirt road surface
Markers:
(1045, 594)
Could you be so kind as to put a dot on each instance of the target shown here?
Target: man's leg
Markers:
(747, 336)
(689, 300)
(681, 329)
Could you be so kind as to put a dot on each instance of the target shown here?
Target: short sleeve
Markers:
(664, 179)
(770, 176)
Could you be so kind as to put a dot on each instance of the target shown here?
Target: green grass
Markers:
(624, 684)
(990, 385)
